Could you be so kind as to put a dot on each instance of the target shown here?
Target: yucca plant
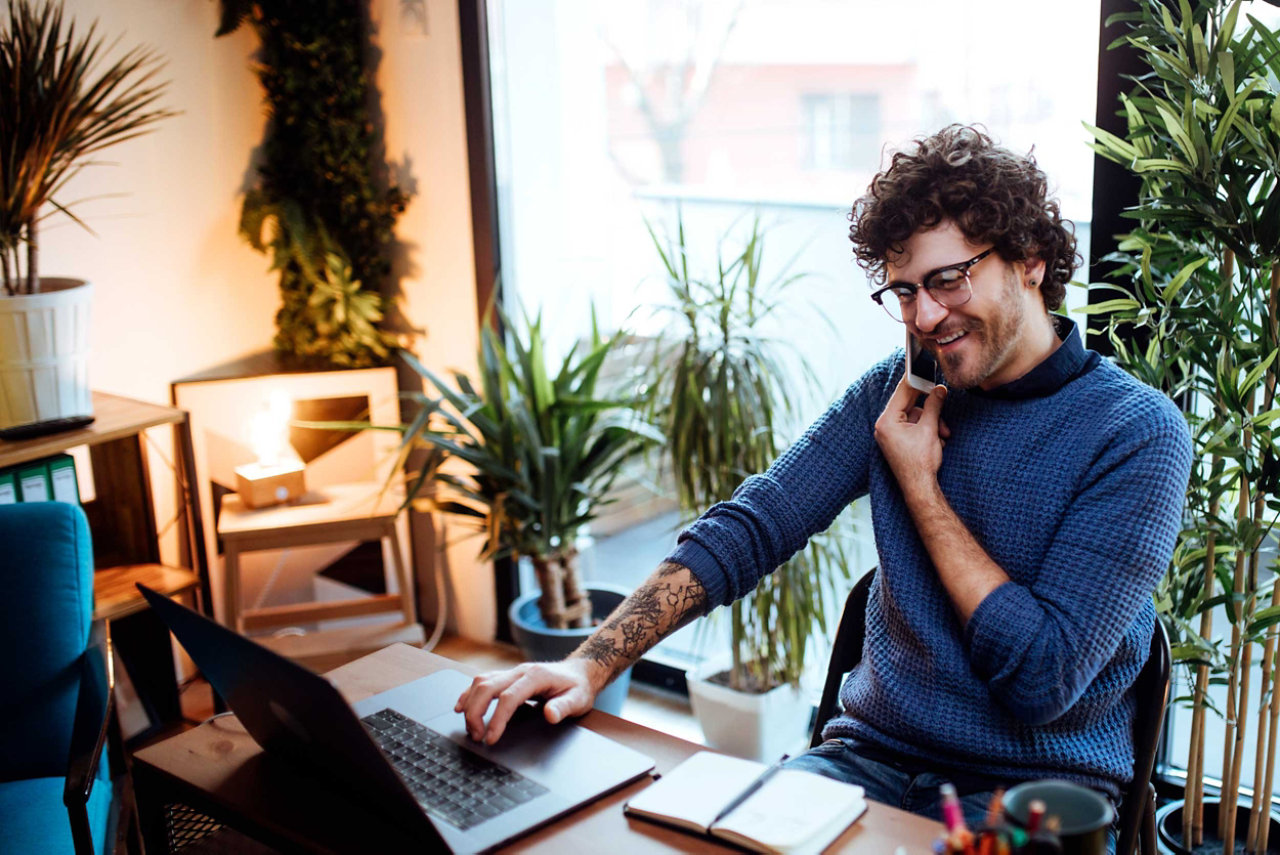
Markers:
(527, 457)
(58, 107)
(1196, 311)
(722, 390)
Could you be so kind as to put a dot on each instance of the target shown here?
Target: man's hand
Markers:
(911, 437)
(566, 687)
(670, 598)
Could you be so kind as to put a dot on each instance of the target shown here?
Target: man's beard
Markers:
(998, 338)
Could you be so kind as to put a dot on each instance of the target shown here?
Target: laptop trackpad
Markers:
(572, 761)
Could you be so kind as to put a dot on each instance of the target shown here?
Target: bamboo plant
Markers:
(722, 389)
(1194, 312)
(60, 103)
(527, 457)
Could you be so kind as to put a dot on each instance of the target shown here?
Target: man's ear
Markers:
(1032, 272)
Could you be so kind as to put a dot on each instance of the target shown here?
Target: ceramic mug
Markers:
(1084, 815)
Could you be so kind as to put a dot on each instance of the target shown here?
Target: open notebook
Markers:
(792, 811)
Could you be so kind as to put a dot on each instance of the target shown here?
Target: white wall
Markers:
(177, 291)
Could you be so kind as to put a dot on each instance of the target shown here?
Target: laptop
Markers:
(405, 752)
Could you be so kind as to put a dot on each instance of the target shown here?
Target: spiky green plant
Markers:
(721, 390)
(526, 456)
(58, 106)
(1196, 312)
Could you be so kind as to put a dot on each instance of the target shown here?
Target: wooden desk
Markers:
(218, 770)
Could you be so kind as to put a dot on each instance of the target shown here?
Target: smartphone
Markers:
(922, 367)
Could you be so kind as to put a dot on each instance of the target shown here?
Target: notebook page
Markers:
(696, 790)
(794, 811)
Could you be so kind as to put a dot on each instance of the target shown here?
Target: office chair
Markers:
(56, 710)
(1137, 812)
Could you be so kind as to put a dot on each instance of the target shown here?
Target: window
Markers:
(611, 115)
(842, 131)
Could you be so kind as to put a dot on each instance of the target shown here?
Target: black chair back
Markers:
(846, 652)
(1136, 821)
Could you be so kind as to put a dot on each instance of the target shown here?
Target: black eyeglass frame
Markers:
(963, 267)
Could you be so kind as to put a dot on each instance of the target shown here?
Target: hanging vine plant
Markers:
(323, 206)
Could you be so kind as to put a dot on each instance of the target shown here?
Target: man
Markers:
(1023, 513)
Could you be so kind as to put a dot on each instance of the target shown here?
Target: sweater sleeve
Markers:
(772, 516)
(1039, 646)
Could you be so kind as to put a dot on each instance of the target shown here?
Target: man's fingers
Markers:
(943, 430)
(933, 406)
(535, 682)
(475, 701)
(509, 700)
(574, 702)
(903, 397)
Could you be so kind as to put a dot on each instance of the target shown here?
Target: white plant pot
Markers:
(44, 356)
(755, 726)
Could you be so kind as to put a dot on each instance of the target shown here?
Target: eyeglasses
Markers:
(949, 286)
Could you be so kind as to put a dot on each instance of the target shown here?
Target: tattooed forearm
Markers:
(667, 600)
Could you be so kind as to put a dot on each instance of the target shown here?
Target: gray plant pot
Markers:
(1169, 830)
(540, 644)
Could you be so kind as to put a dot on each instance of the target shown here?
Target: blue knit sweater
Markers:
(1072, 478)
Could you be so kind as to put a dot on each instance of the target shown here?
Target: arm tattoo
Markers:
(669, 599)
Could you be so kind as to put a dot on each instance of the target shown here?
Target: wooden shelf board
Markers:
(359, 503)
(114, 418)
(318, 650)
(296, 613)
(114, 595)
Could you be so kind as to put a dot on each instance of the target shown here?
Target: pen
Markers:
(755, 785)
(1035, 813)
(995, 808)
(987, 840)
(952, 814)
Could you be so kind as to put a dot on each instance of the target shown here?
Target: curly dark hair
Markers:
(993, 195)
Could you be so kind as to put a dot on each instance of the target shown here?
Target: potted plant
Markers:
(721, 390)
(1196, 312)
(528, 456)
(57, 108)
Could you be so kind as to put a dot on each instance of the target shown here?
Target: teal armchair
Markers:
(56, 714)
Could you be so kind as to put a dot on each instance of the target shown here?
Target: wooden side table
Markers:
(332, 514)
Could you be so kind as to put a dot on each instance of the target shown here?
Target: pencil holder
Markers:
(1083, 814)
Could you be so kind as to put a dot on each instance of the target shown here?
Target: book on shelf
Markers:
(763, 808)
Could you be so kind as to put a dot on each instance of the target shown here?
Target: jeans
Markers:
(889, 784)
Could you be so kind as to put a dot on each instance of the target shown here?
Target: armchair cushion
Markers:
(36, 822)
(46, 569)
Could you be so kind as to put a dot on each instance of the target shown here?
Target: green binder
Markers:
(62, 479)
(33, 482)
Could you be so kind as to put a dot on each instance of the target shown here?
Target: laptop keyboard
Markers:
(450, 782)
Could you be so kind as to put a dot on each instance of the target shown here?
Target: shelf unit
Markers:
(125, 540)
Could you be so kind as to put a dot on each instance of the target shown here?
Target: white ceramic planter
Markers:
(757, 727)
(44, 355)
